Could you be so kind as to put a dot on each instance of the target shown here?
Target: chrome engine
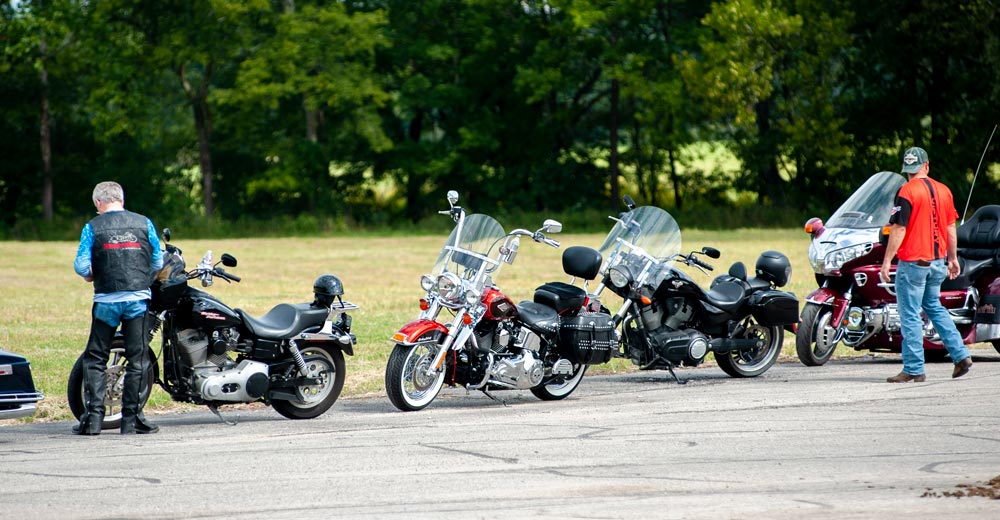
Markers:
(522, 371)
(215, 375)
(863, 323)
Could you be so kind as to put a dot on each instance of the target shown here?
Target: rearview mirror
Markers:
(228, 260)
(166, 234)
(711, 252)
(629, 203)
(552, 226)
(452, 197)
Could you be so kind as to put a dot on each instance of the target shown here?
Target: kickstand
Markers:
(670, 367)
(215, 410)
(488, 394)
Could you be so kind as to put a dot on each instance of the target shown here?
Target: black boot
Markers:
(95, 362)
(133, 420)
(90, 424)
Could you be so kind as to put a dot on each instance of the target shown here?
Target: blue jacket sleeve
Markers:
(154, 241)
(82, 263)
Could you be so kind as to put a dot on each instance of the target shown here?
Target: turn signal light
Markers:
(645, 300)
(467, 319)
(424, 305)
(886, 230)
(814, 226)
(399, 336)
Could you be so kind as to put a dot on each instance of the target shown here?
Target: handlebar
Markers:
(222, 273)
(699, 263)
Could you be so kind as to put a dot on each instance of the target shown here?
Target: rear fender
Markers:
(420, 331)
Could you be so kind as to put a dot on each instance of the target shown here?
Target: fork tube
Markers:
(453, 331)
(621, 312)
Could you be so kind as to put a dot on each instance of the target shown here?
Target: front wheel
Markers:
(560, 387)
(327, 364)
(409, 381)
(114, 385)
(814, 340)
(756, 361)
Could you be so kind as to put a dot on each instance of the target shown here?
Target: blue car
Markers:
(18, 397)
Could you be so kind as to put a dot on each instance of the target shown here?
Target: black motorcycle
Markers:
(292, 358)
(667, 320)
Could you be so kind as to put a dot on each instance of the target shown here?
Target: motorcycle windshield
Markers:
(470, 245)
(871, 205)
(647, 227)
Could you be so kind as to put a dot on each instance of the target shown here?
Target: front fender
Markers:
(418, 331)
(833, 298)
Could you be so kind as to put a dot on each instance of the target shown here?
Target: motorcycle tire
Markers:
(812, 341)
(115, 374)
(314, 400)
(560, 388)
(406, 383)
(754, 362)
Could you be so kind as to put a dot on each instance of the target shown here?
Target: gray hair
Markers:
(109, 191)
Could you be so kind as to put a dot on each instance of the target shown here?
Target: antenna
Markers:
(977, 173)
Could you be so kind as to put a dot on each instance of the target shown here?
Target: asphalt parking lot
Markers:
(826, 442)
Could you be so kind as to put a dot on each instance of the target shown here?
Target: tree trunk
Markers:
(203, 126)
(414, 181)
(613, 160)
(675, 179)
(765, 157)
(45, 134)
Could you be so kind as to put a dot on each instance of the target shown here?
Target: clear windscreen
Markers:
(871, 205)
(471, 245)
(646, 227)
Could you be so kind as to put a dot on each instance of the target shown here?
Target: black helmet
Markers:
(326, 288)
(774, 267)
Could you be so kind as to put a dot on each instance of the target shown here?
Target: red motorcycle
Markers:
(491, 343)
(852, 306)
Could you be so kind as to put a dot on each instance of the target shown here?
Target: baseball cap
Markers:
(913, 159)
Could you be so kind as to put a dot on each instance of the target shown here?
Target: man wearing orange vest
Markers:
(923, 236)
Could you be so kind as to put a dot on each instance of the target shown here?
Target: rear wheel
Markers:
(560, 387)
(114, 384)
(753, 362)
(814, 341)
(327, 364)
(408, 382)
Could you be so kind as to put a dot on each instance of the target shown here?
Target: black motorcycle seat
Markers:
(726, 295)
(285, 320)
(757, 284)
(560, 296)
(971, 269)
(539, 318)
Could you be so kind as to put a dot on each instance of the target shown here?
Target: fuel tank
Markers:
(206, 312)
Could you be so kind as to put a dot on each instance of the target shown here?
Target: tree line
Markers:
(367, 110)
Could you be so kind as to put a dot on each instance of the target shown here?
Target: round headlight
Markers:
(619, 277)
(471, 297)
(449, 286)
(427, 282)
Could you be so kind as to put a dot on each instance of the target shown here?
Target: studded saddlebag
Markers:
(588, 338)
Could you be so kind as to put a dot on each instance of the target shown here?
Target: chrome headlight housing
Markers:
(619, 276)
(834, 260)
(427, 282)
(449, 287)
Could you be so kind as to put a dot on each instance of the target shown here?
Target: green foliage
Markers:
(363, 113)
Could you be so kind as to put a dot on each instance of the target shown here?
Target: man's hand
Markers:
(884, 273)
(954, 269)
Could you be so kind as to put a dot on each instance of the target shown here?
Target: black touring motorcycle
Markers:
(292, 358)
(667, 320)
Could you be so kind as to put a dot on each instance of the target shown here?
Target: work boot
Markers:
(138, 424)
(903, 377)
(962, 368)
(90, 424)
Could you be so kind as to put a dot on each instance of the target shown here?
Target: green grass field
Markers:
(44, 305)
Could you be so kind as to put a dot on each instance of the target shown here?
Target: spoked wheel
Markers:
(114, 385)
(408, 382)
(560, 387)
(313, 400)
(753, 362)
(814, 341)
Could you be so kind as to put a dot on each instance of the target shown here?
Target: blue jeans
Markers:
(114, 313)
(920, 287)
